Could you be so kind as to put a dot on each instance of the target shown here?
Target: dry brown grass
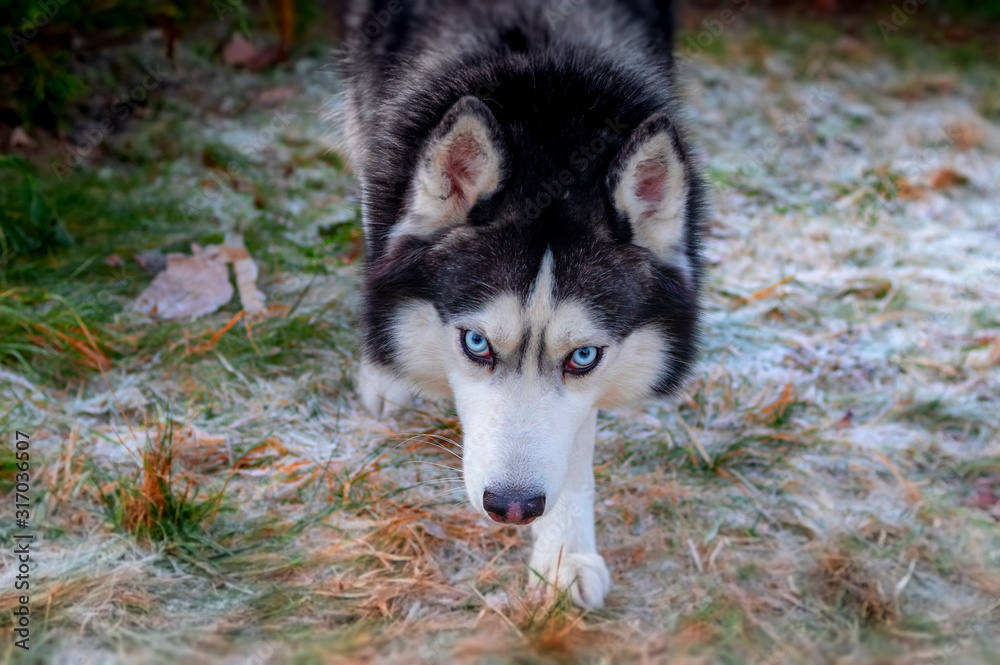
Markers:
(844, 582)
(824, 491)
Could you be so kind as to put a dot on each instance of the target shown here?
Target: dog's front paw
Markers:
(585, 576)
(381, 394)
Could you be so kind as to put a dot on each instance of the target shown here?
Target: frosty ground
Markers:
(826, 489)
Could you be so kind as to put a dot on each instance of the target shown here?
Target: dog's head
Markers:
(532, 311)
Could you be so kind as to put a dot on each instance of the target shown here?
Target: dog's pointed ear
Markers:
(649, 185)
(462, 161)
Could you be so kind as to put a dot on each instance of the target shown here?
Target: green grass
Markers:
(45, 337)
(51, 288)
(154, 505)
(28, 225)
(8, 470)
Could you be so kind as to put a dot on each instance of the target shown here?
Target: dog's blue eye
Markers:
(583, 360)
(476, 345)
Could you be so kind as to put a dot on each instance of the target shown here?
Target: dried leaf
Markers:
(238, 51)
(274, 96)
(946, 178)
(152, 262)
(19, 140)
(114, 261)
(966, 134)
(190, 287)
(246, 274)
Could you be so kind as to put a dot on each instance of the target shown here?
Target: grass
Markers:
(27, 223)
(152, 506)
(766, 515)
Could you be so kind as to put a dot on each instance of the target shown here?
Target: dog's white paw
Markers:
(381, 394)
(585, 576)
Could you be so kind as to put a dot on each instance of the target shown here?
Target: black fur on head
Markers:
(570, 121)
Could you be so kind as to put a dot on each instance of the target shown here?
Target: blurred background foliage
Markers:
(45, 42)
(44, 39)
(51, 84)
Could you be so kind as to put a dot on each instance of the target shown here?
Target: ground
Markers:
(825, 491)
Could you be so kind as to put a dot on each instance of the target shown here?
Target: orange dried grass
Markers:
(142, 510)
(843, 580)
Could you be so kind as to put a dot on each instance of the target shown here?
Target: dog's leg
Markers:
(381, 394)
(564, 551)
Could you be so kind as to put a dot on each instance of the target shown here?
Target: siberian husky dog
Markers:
(532, 213)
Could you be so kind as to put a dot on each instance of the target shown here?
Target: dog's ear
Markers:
(649, 185)
(462, 161)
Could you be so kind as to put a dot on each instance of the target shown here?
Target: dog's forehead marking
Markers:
(509, 322)
(538, 313)
(542, 298)
(533, 331)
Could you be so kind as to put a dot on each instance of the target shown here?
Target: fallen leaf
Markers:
(152, 262)
(947, 177)
(927, 86)
(273, 96)
(191, 286)
(19, 140)
(246, 274)
(114, 261)
(965, 134)
(267, 56)
(908, 191)
(238, 51)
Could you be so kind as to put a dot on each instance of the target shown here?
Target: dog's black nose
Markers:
(513, 507)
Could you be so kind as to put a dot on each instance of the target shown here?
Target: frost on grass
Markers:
(826, 487)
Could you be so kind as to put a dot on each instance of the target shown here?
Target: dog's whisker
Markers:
(441, 494)
(444, 448)
(442, 437)
(421, 461)
(419, 437)
(435, 481)
(432, 435)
